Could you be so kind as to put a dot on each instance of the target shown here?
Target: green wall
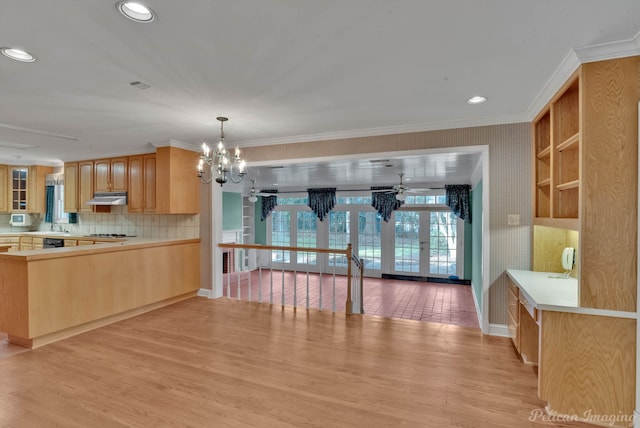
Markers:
(476, 242)
(259, 226)
(468, 242)
(231, 211)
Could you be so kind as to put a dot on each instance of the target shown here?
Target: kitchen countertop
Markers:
(105, 245)
(549, 291)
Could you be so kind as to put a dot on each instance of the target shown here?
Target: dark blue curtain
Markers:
(458, 200)
(269, 203)
(322, 201)
(385, 203)
(49, 195)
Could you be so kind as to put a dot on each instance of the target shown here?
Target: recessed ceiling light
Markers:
(17, 54)
(478, 99)
(135, 11)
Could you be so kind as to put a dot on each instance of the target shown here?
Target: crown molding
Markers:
(604, 51)
(390, 130)
(574, 59)
(569, 64)
(177, 143)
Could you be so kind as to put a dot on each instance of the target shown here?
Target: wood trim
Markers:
(284, 248)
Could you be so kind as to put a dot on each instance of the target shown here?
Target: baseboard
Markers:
(205, 292)
(426, 279)
(499, 330)
(636, 419)
(475, 302)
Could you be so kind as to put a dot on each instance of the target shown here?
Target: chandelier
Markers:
(219, 162)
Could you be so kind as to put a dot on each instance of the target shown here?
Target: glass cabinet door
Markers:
(19, 189)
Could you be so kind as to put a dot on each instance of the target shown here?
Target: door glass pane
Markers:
(443, 239)
(407, 241)
(339, 236)
(306, 236)
(280, 235)
(369, 248)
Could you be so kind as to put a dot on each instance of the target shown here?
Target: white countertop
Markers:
(547, 291)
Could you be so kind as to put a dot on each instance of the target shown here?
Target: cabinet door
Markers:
(135, 196)
(36, 195)
(150, 183)
(118, 175)
(85, 186)
(101, 177)
(4, 198)
(18, 188)
(71, 187)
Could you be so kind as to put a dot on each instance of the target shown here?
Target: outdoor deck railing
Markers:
(242, 279)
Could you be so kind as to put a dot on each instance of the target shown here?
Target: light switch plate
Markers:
(513, 219)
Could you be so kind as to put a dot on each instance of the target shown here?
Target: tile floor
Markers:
(422, 301)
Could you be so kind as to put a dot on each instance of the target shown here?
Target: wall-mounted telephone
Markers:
(568, 258)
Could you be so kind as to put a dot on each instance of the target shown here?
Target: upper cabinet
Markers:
(556, 145)
(71, 187)
(4, 198)
(585, 155)
(110, 175)
(177, 185)
(142, 184)
(26, 188)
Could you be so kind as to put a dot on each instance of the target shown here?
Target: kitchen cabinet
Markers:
(4, 197)
(177, 186)
(27, 188)
(71, 187)
(85, 186)
(14, 241)
(110, 175)
(18, 188)
(142, 184)
(585, 177)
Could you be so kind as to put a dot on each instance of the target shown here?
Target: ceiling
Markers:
(282, 71)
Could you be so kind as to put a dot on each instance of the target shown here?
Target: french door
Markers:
(426, 243)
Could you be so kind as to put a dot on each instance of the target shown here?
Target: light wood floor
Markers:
(218, 363)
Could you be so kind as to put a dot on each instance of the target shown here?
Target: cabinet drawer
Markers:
(528, 306)
(513, 301)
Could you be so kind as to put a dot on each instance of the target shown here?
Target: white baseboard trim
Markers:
(499, 330)
(475, 302)
(205, 292)
(636, 419)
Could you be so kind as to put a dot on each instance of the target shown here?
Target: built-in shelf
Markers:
(545, 153)
(570, 143)
(543, 183)
(568, 185)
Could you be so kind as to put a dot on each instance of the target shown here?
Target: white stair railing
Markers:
(340, 286)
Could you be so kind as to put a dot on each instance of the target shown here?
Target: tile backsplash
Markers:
(119, 221)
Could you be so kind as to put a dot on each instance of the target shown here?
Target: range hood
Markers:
(108, 198)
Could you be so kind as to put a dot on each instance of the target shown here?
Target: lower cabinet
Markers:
(523, 325)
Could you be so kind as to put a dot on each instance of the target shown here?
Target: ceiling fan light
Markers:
(400, 196)
(253, 199)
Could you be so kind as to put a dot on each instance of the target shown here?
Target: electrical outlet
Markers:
(513, 219)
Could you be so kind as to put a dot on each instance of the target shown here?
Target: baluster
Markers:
(271, 285)
(307, 288)
(320, 290)
(228, 282)
(282, 285)
(237, 254)
(333, 298)
(260, 284)
(295, 288)
(249, 279)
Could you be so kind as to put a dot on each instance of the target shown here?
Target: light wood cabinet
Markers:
(4, 197)
(27, 188)
(142, 184)
(178, 187)
(36, 196)
(18, 179)
(71, 187)
(513, 306)
(110, 175)
(585, 155)
(85, 186)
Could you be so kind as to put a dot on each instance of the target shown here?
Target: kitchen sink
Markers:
(46, 233)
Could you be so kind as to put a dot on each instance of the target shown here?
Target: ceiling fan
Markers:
(254, 193)
(400, 189)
